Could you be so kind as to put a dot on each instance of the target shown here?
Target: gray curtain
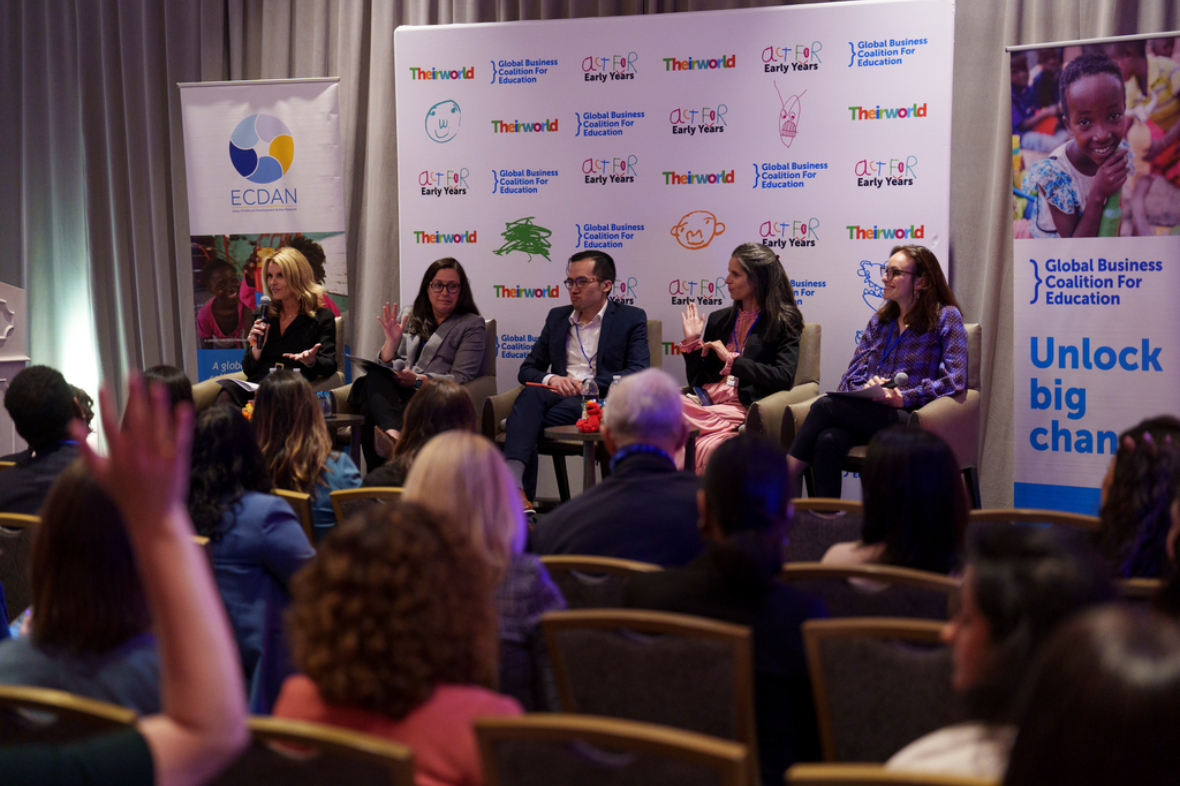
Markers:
(93, 213)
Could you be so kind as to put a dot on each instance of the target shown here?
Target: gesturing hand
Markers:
(718, 348)
(147, 469)
(693, 323)
(392, 328)
(306, 357)
(1111, 175)
(891, 397)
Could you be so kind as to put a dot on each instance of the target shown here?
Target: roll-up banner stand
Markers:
(1096, 222)
(263, 165)
(667, 141)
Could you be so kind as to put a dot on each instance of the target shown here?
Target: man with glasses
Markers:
(592, 338)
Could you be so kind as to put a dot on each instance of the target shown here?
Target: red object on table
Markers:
(593, 419)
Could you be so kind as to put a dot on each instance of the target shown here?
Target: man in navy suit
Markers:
(593, 337)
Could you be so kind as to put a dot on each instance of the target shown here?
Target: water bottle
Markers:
(589, 393)
(1112, 216)
(615, 380)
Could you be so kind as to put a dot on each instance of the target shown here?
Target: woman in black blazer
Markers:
(744, 352)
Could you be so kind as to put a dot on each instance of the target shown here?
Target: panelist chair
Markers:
(766, 415)
(954, 418)
(496, 409)
(205, 393)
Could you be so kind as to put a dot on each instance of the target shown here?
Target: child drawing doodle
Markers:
(873, 294)
(442, 121)
(788, 117)
(525, 236)
(697, 229)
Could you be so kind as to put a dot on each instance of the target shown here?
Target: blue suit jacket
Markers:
(622, 345)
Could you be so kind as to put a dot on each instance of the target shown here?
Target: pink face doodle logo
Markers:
(788, 116)
(697, 229)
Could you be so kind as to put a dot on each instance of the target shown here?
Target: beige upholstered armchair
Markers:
(767, 415)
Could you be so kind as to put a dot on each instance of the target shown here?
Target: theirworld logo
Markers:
(444, 237)
(700, 64)
(454, 74)
(618, 68)
(524, 126)
(915, 232)
(888, 113)
(261, 148)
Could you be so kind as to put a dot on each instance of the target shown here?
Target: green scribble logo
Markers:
(525, 236)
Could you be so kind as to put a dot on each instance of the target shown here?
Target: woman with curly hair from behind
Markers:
(393, 631)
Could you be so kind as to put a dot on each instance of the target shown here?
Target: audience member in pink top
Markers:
(393, 629)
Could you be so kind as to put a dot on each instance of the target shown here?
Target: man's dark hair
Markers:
(41, 404)
(604, 266)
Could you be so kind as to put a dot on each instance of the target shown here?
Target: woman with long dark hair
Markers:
(290, 429)
(915, 505)
(441, 337)
(441, 405)
(255, 541)
(744, 352)
(919, 331)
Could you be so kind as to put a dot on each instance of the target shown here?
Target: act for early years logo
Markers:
(701, 291)
(445, 182)
(616, 68)
(625, 292)
(799, 233)
(886, 52)
(791, 57)
(618, 170)
(705, 119)
(875, 173)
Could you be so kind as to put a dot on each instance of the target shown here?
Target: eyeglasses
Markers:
(578, 283)
(890, 273)
(451, 286)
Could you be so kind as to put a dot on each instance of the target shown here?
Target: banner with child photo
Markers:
(1096, 249)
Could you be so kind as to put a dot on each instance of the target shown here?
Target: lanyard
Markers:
(631, 450)
(739, 348)
(889, 345)
(578, 331)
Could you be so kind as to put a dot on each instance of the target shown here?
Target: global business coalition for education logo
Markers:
(261, 149)
(521, 71)
(886, 52)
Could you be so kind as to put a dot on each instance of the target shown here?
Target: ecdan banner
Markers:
(1096, 323)
(263, 166)
(668, 140)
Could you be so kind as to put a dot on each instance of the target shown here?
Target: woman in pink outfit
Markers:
(744, 352)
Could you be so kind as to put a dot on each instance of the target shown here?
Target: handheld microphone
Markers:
(263, 306)
(399, 365)
(899, 380)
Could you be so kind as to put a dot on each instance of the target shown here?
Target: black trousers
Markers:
(382, 402)
(535, 410)
(833, 427)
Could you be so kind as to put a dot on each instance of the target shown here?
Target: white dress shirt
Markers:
(581, 347)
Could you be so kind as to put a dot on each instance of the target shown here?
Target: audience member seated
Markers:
(41, 404)
(646, 510)
(441, 337)
(1021, 584)
(1167, 600)
(1104, 705)
(441, 405)
(915, 505)
(745, 352)
(464, 478)
(745, 515)
(290, 429)
(1137, 495)
(394, 634)
(256, 543)
(180, 387)
(91, 628)
(203, 724)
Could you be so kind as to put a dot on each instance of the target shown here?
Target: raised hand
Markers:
(693, 323)
(306, 357)
(718, 348)
(147, 469)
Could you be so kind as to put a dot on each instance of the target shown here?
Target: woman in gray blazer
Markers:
(441, 337)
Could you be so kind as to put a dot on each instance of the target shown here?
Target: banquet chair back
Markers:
(812, 535)
(297, 753)
(16, 538)
(40, 715)
(577, 750)
(874, 775)
(349, 502)
(301, 504)
(588, 582)
(879, 684)
(875, 590)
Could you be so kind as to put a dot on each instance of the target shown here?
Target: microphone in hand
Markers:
(899, 380)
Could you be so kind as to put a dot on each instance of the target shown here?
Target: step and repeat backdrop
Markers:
(667, 141)
(1096, 259)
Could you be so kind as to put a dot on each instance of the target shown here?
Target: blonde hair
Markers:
(464, 477)
(298, 274)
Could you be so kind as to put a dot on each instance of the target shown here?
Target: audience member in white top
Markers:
(1021, 583)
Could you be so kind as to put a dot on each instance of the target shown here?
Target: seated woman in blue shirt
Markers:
(290, 429)
(918, 331)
